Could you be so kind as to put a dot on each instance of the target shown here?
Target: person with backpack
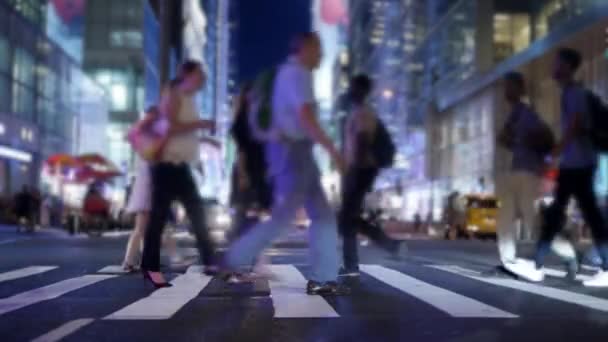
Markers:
(578, 159)
(361, 151)
(295, 129)
(250, 187)
(530, 140)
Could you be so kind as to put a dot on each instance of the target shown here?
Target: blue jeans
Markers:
(297, 184)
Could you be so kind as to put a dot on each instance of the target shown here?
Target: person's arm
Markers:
(303, 97)
(310, 123)
(574, 127)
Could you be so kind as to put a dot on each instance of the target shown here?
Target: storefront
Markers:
(19, 162)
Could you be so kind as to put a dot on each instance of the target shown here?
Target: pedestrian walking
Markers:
(171, 175)
(577, 165)
(251, 191)
(23, 208)
(529, 140)
(139, 203)
(295, 175)
(362, 168)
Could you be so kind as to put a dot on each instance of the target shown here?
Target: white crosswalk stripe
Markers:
(290, 300)
(449, 302)
(25, 272)
(164, 303)
(537, 289)
(64, 330)
(45, 293)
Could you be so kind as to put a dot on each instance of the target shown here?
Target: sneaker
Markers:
(237, 278)
(211, 270)
(599, 280)
(525, 269)
(330, 288)
(349, 272)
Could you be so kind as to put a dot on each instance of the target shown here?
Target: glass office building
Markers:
(42, 95)
(121, 52)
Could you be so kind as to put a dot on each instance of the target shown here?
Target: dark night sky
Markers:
(265, 28)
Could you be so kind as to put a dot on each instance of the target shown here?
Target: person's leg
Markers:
(163, 176)
(530, 185)
(587, 202)
(323, 235)
(349, 220)
(135, 240)
(189, 196)
(288, 199)
(373, 231)
(506, 219)
(554, 217)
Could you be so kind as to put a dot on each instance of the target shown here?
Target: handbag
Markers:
(145, 141)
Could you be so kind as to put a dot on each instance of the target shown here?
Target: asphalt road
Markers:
(54, 287)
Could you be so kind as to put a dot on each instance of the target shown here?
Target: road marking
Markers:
(289, 298)
(25, 272)
(545, 291)
(454, 304)
(6, 242)
(164, 303)
(562, 274)
(52, 291)
(64, 331)
(113, 269)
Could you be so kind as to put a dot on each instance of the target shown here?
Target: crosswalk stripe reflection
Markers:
(290, 300)
(25, 272)
(52, 291)
(64, 330)
(454, 304)
(164, 303)
(545, 291)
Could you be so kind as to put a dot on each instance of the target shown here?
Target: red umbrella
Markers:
(62, 159)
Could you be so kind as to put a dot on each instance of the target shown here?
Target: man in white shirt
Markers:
(293, 170)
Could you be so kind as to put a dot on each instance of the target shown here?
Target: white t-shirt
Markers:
(183, 148)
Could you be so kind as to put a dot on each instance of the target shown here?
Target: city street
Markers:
(55, 287)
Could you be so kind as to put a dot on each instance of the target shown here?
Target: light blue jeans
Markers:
(297, 184)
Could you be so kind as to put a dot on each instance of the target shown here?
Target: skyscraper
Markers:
(125, 52)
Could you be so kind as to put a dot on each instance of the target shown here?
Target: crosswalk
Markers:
(286, 293)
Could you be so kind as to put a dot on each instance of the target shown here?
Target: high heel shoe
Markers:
(148, 277)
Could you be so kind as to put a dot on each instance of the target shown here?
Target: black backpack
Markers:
(599, 121)
(383, 147)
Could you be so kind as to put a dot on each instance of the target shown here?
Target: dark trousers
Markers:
(577, 183)
(356, 184)
(172, 182)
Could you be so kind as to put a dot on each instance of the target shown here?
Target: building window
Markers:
(23, 101)
(5, 55)
(47, 82)
(129, 39)
(119, 86)
(5, 92)
(512, 33)
(23, 68)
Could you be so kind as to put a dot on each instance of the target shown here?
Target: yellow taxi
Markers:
(481, 213)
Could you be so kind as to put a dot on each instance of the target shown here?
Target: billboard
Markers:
(65, 25)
